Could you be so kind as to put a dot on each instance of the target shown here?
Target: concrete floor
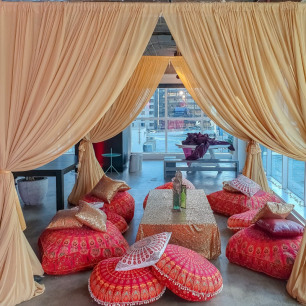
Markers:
(241, 286)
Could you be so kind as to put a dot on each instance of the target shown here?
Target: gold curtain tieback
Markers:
(253, 148)
(81, 153)
(5, 172)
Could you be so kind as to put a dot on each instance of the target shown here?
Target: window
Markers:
(287, 178)
(277, 166)
(169, 115)
(149, 138)
(296, 177)
(264, 157)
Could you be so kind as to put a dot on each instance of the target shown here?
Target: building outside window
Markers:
(170, 114)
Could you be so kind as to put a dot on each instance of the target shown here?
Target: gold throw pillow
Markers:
(273, 210)
(65, 219)
(229, 188)
(91, 216)
(124, 186)
(106, 189)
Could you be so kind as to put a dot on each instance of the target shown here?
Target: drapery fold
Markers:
(249, 60)
(133, 98)
(62, 65)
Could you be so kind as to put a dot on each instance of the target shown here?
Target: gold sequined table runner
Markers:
(194, 227)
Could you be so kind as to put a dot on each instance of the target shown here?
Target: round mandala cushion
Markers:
(122, 204)
(144, 253)
(66, 251)
(169, 186)
(229, 204)
(257, 250)
(188, 274)
(135, 287)
(117, 220)
(241, 221)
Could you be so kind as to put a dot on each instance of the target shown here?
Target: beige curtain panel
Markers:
(249, 59)
(133, 98)
(62, 65)
(253, 166)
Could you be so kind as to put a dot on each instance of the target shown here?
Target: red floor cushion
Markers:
(241, 221)
(188, 274)
(229, 204)
(256, 250)
(66, 251)
(122, 204)
(117, 220)
(168, 185)
(133, 287)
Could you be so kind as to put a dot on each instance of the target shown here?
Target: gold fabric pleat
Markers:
(133, 98)
(62, 65)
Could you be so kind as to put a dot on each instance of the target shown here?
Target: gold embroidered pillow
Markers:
(228, 188)
(106, 189)
(124, 187)
(65, 219)
(273, 210)
(91, 216)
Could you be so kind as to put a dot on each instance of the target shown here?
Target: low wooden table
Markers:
(194, 227)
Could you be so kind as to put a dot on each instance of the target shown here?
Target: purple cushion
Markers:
(281, 227)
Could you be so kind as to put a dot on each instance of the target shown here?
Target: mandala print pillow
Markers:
(144, 253)
(245, 185)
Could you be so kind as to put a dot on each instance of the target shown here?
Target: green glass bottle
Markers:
(176, 194)
(183, 196)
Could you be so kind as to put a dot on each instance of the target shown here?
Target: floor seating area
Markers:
(67, 246)
(68, 251)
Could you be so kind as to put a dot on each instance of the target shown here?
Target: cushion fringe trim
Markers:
(194, 293)
(125, 303)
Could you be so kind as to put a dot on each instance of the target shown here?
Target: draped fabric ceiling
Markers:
(64, 65)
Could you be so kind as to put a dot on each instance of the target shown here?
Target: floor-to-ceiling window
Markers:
(286, 177)
(165, 121)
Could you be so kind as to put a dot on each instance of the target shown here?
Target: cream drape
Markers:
(253, 166)
(133, 98)
(249, 59)
(61, 67)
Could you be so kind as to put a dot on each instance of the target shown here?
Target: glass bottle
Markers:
(183, 196)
